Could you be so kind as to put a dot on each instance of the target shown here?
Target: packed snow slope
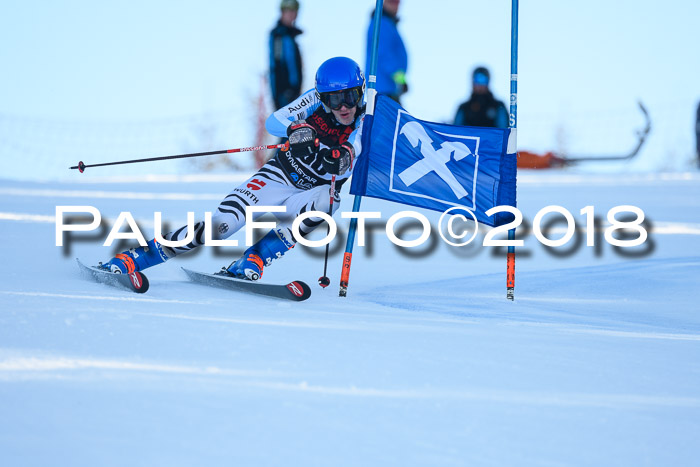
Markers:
(596, 362)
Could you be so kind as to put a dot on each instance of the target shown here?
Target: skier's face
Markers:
(345, 115)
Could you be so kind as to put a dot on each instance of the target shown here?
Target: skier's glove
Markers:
(338, 159)
(302, 139)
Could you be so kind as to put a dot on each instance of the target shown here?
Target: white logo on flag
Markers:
(433, 161)
(453, 148)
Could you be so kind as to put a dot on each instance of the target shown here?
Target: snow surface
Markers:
(596, 362)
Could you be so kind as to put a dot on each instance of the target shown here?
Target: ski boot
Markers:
(138, 259)
(250, 266)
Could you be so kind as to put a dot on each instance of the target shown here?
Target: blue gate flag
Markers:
(436, 166)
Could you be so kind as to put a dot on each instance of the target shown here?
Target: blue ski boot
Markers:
(138, 259)
(250, 266)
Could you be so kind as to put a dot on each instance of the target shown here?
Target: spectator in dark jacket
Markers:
(285, 58)
(482, 108)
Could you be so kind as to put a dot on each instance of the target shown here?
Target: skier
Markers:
(285, 58)
(392, 58)
(482, 109)
(324, 128)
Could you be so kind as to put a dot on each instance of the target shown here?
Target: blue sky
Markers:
(583, 65)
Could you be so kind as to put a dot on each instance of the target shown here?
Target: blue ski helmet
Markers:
(337, 74)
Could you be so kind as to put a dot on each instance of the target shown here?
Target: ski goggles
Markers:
(481, 79)
(347, 97)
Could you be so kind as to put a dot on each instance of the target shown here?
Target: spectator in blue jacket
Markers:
(392, 58)
(482, 108)
(285, 58)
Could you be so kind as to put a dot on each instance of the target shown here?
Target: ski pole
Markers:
(324, 281)
(513, 123)
(81, 166)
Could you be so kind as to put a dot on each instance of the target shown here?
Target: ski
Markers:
(296, 290)
(136, 281)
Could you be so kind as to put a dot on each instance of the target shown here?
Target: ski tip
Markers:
(139, 282)
(300, 290)
(187, 271)
(135, 281)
